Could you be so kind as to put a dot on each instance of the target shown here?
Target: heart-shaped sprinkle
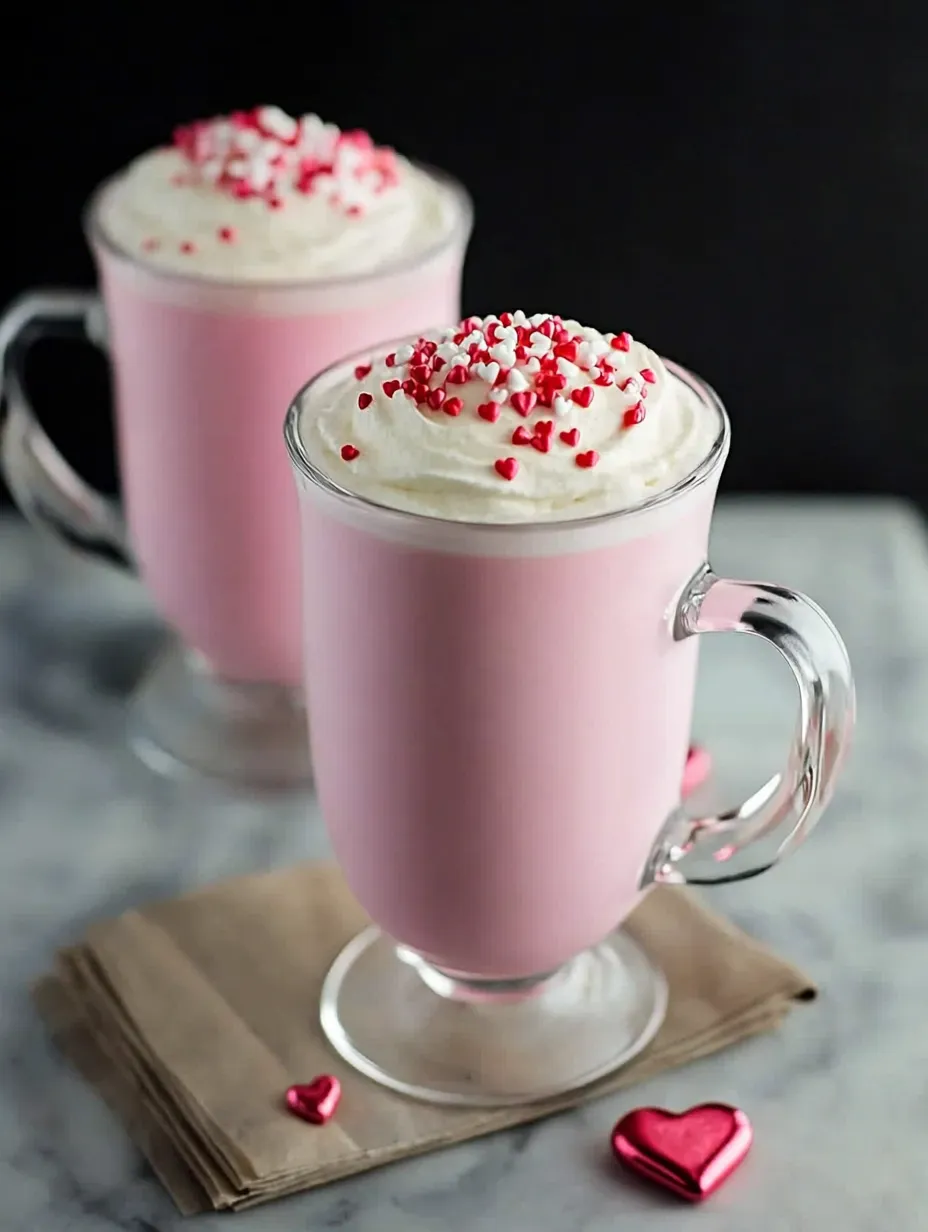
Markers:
(349, 452)
(566, 350)
(507, 467)
(421, 373)
(490, 411)
(561, 406)
(436, 398)
(457, 375)
(315, 1101)
(622, 341)
(390, 388)
(364, 401)
(544, 427)
(524, 402)
(516, 382)
(588, 459)
(571, 438)
(487, 372)
(649, 375)
(541, 442)
(362, 371)
(504, 354)
(452, 406)
(634, 415)
(521, 436)
(690, 1153)
(582, 396)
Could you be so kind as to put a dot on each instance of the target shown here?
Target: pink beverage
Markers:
(505, 527)
(254, 250)
(200, 376)
(550, 725)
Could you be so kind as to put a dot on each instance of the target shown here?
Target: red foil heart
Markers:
(697, 768)
(315, 1101)
(690, 1153)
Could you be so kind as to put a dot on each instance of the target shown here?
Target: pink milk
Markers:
(500, 718)
(203, 374)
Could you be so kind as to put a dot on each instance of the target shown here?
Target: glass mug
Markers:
(498, 715)
(202, 367)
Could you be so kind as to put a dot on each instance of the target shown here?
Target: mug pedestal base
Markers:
(185, 719)
(389, 1016)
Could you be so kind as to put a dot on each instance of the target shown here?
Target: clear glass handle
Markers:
(750, 839)
(50, 493)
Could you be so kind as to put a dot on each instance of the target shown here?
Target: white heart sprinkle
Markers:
(404, 354)
(561, 406)
(566, 368)
(508, 335)
(533, 364)
(539, 318)
(447, 350)
(519, 317)
(487, 372)
(516, 381)
(541, 345)
(503, 354)
(498, 395)
(586, 357)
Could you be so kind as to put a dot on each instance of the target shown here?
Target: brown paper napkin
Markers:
(192, 1017)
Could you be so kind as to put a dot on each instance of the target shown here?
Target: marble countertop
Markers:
(837, 1097)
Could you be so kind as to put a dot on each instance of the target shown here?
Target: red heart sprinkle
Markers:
(315, 1101)
(588, 459)
(349, 452)
(571, 437)
(409, 387)
(458, 375)
(490, 411)
(452, 406)
(507, 467)
(390, 360)
(436, 398)
(690, 1153)
(566, 350)
(364, 401)
(583, 396)
(649, 375)
(362, 371)
(604, 378)
(420, 373)
(544, 427)
(390, 388)
(621, 342)
(541, 442)
(524, 401)
(521, 436)
(634, 415)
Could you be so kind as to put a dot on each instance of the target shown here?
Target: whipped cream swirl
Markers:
(509, 419)
(261, 196)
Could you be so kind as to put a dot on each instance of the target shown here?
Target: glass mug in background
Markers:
(202, 368)
(499, 714)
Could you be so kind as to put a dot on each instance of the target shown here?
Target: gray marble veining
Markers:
(838, 1096)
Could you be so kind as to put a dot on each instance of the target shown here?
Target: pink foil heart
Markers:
(315, 1101)
(690, 1153)
(697, 768)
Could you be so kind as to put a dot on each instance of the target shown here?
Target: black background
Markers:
(746, 187)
